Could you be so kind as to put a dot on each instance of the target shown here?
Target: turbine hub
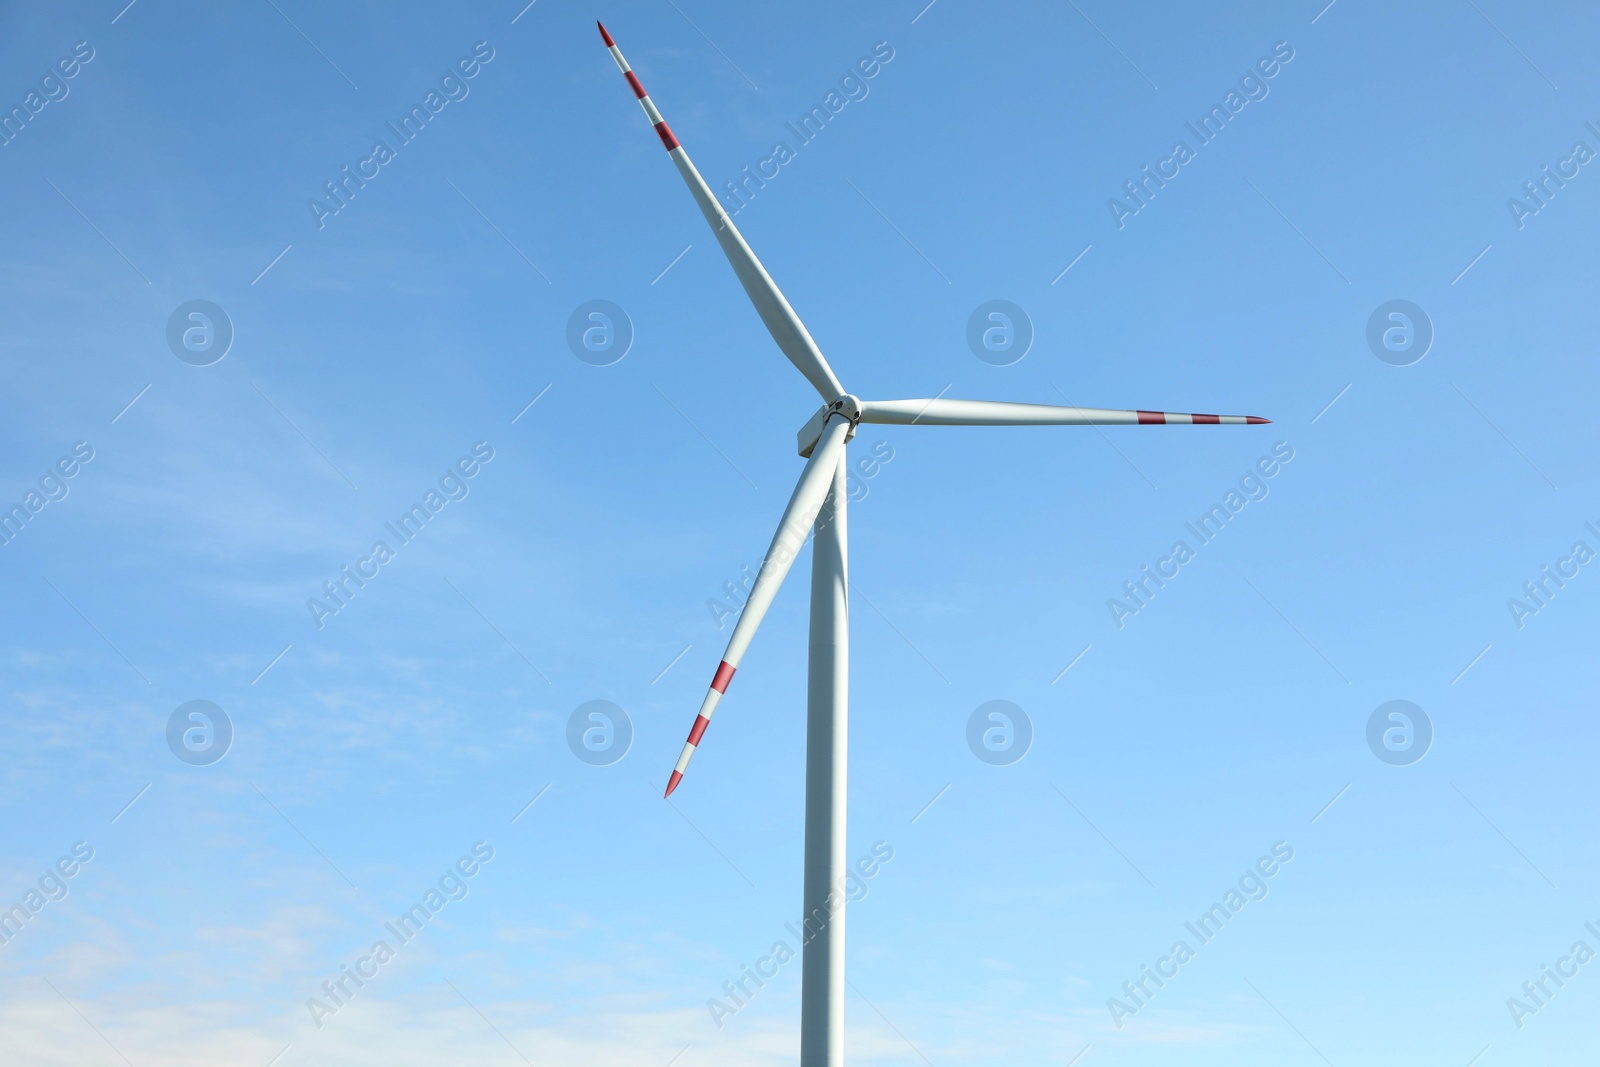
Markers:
(847, 407)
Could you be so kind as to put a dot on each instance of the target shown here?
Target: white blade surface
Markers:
(795, 526)
(939, 412)
(781, 321)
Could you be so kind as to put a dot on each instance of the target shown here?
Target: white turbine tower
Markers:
(818, 505)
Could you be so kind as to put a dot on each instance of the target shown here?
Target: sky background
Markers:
(370, 354)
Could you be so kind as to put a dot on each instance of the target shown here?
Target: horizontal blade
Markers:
(809, 494)
(939, 412)
(781, 321)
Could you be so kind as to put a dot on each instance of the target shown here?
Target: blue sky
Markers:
(376, 347)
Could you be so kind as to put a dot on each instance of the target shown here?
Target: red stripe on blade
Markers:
(698, 730)
(1210, 420)
(604, 36)
(1146, 417)
(1255, 420)
(723, 677)
(672, 783)
(638, 90)
(666, 136)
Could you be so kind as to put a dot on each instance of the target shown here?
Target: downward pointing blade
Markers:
(781, 321)
(939, 412)
(809, 494)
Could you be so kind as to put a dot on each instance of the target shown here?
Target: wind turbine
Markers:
(818, 504)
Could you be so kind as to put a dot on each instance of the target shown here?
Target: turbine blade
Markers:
(781, 321)
(809, 494)
(939, 412)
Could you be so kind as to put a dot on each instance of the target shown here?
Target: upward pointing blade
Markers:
(809, 494)
(781, 321)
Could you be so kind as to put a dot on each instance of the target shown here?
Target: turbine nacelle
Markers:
(847, 407)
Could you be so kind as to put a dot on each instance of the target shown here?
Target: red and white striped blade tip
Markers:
(604, 36)
(719, 686)
(1196, 419)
